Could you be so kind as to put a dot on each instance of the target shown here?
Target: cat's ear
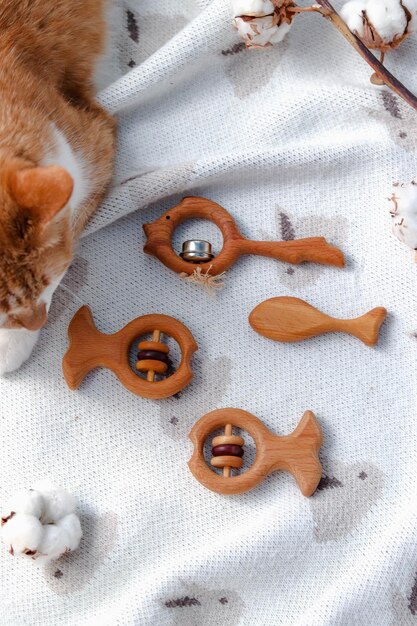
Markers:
(42, 191)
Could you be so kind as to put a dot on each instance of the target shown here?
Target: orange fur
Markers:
(42, 191)
(48, 50)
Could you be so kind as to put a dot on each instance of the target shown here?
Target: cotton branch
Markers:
(326, 10)
(263, 23)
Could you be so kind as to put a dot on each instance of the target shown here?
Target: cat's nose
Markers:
(34, 319)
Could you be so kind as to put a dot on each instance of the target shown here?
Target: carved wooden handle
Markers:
(159, 241)
(296, 453)
(296, 251)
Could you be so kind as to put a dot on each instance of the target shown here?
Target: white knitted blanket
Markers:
(293, 141)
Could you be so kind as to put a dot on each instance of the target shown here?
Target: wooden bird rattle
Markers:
(159, 242)
(89, 348)
(291, 319)
(296, 453)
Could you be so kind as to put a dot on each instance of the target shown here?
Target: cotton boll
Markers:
(70, 524)
(280, 33)
(263, 23)
(46, 528)
(252, 7)
(22, 533)
(57, 505)
(25, 501)
(388, 18)
(262, 31)
(58, 502)
(381, 24)
(404, 214)
(352, 14)
(54, 543)
(59, 538)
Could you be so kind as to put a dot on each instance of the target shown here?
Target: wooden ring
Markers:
(89, 348)
(159, 241)
(159, 235)
(296, 453)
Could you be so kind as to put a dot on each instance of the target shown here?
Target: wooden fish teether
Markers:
(291, 319)
(296, 453)
(159, 242)
(89, 348)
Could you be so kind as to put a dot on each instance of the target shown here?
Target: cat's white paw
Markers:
(15, 348)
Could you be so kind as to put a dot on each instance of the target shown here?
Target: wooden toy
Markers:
(89, 348)
(159, 242)
(296, 453)
(291, 319)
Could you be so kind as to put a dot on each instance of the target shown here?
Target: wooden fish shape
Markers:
(290, 319)
(159, 241)
(296, 453)
(89, 348)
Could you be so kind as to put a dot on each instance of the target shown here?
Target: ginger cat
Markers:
(56, 155)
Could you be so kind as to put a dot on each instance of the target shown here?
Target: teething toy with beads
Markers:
(159, 242)
(89, 348)
(296, 453)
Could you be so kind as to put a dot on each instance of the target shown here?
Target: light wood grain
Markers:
(288, 319)
(159, 241)
(89, 348)
(222, 440)
(226, 462)
(296, 453)
(228, 430)
(156, 337)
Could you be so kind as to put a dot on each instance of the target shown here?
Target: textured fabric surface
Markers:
(294, 142)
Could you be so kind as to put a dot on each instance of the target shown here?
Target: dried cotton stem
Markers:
(326, 10)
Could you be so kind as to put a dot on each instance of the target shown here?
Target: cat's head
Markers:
(35, 239)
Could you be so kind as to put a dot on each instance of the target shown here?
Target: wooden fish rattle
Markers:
(89, 348)
(291, 319)
(159, 242)
(296, 453)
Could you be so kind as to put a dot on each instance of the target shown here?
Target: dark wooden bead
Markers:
(227, 450)
(146, 355)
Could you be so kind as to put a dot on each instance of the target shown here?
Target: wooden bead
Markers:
(222, 440)
(145, 355)
(226, 461)
(157, 346)
(156, 366)
(227, 450)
